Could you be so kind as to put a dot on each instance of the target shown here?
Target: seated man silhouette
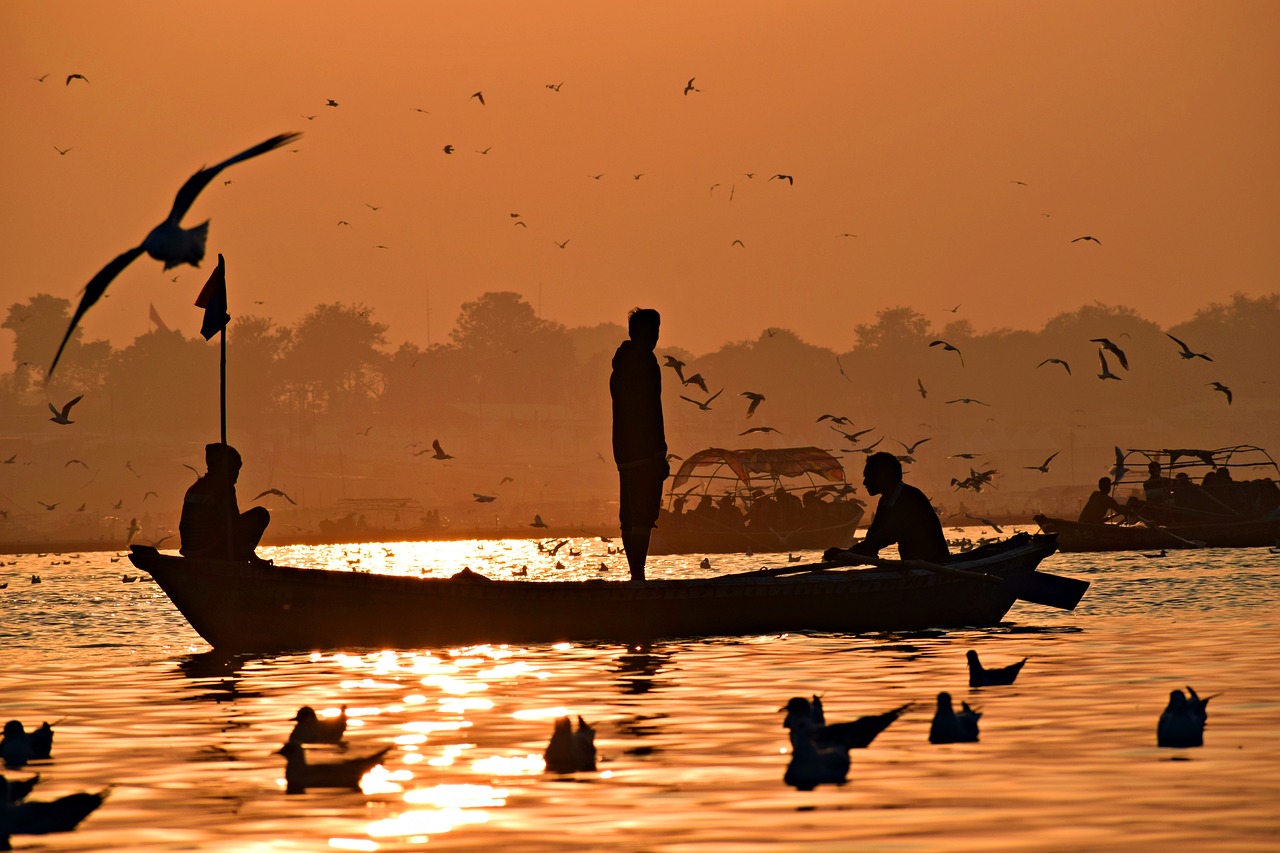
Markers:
(212, 525)
(1100, 504)
(903, 517)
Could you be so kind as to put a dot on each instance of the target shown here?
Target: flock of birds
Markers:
(819, 750)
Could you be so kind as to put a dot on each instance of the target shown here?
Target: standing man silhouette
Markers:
(639, 436)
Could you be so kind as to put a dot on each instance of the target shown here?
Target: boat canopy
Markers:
(782, 462)
(1131, 465)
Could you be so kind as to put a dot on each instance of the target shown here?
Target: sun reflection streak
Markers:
(510, 765)
(542, 713)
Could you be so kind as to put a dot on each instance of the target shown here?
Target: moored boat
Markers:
(757, 501)
(263, 607)
(1183, 498)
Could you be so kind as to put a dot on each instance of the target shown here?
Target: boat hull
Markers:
(261, 607)
(666, 540)
(1075, 536)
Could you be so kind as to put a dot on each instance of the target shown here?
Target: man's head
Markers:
(881, 473)
(222, 457)
(642, 326)
(1104, 484)
(1153, 468)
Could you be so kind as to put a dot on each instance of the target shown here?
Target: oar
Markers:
(1035, 586)
(1151, 525)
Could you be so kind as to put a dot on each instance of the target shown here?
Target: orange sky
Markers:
(1149, 125)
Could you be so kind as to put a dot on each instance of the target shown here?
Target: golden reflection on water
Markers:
(691, 747)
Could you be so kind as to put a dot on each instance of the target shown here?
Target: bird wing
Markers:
(435, 444)
(262, 494)
(691, 400)
(1050, 459)
(1185, 348)
(66, 410)
(93, 292)
(713, 396)
(187, 195)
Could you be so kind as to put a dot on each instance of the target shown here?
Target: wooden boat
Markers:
(1076, 536)
(262, 607)
(1183, 508)
(752, 480)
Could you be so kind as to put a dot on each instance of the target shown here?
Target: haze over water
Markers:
(692, 751)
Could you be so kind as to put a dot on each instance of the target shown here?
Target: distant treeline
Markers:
(331, 407)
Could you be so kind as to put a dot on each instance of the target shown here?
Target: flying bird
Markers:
(911, 448)
(854, 436)
(1066, 366)
(561, 245)
(837, 419)
(479, 96)
(168, 242)
(71, 77)
(484, 499)
(949, 348)
(62, 417)
(688, 87)
(695, 379)
(448, 149)
(1187, 352)
(1217, 386)
(330, 102)
(41, 78)
(1118, 470)
(555, 87)
(790, 180)
(737, 243)
(760, 429)
(1110, 347)
(756, 400)
(1106, 370)
(50, 507)
(1087, 237)
(538, 522)
(920, 387)
(677, 365)
(62, 151)
(439, 451)
(277, 493)
(74, 462)
(706, 407)
(967, 400)
(980, 676)
(1043, 467)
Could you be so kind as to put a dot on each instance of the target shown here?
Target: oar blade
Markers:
(1050, 590)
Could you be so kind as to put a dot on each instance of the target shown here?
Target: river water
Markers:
(692, 752)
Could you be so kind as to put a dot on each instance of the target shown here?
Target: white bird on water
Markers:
(168, 242)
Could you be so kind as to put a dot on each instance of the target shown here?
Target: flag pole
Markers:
(222, 382)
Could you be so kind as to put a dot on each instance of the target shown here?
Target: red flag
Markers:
(213, 299)
(155, 318)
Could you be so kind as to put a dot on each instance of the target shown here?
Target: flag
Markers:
(155, 318)
(213, 299)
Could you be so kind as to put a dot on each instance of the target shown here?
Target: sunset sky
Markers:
(1151, 126)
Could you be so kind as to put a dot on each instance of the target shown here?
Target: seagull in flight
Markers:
(561, 245)
(479, 96)
(988, 522)
(1218, 386)
(760, 429)
(968, 400)
(854, 436)
(1108, 345)
(920, 387)
(1087, 237)
(1043, 467)
(330, 102)
(706, 407)
(1066, 366)
(63, 416)
(678, 366)
(71, 77)
(439, 451)
(555, 87)
(835, 419)
(1106, 370)
(74, 462)
(168, 242)
(484, 499)
(756, 400)
(949, 348)
(278, 494)
(1187, 352)
(62, 151)
(688, 87)
(695, 379)
(790, 180)
(911, 448)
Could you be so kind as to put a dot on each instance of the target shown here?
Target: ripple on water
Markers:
(690, 741)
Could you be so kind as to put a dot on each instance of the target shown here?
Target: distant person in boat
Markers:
(639, 436)
(904, 516)
(1157, 488)
(210, 507)
(1101, 504)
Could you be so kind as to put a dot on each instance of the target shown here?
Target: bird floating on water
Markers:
(309, 728)
(980, 676)
(1182, 722)
(300, 775)
(32, 817)
(951, 727)
(18, 746)
(809, 715)
(571, 751)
